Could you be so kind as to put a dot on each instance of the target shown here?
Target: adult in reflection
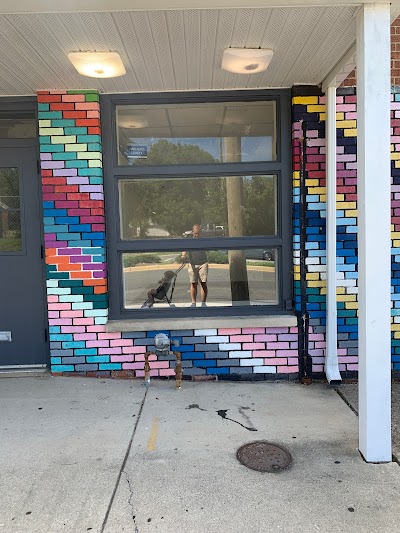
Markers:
(198, 270)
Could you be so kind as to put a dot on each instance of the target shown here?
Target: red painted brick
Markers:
(87, 121)
(62, 107)
(48, 98)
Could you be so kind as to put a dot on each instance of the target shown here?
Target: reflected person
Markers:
(198, 270)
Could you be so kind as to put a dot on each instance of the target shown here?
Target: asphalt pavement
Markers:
(109, 456)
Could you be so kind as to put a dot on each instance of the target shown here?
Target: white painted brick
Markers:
(265, 369)
(204, 332)
(244, 353)
(252, 362)
(217, 338)
(230, 346)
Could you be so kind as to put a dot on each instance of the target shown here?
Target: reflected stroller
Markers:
(167, 285)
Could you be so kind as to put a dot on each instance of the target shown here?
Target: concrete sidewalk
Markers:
(106, 456)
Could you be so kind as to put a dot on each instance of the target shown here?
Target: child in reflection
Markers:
(161, 291)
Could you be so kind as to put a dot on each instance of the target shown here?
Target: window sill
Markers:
(269, 321)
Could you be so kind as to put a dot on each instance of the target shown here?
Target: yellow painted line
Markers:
(151, 444)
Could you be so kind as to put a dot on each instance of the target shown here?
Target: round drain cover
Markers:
(264, 456)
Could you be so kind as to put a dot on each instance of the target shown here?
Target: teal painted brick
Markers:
(96, 171)
(101, 320)
(102, 258)
(94, 297)
(82, 306)
(96, 181)
(56, 360)
(71, 283)
(62, 337)
(100, 305)
(110, 366)
(96, 313)
(52, 148)
(73, 298)
(63, 156)
(55, 329)
(63, 123)
(80, 131)
(44, 139)
(43, 107)
(57, 275)
(98, 359)
(89, 138)
(56, 228)
(76, 163)
(74, 344)
(45, 115)
(62, 368)
(86, 351)
(48, 221)
(82, 290)
(69, 236)
(59, 291)
(94, 147)
(93, 251)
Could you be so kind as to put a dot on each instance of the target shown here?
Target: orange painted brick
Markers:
(62, 107)
(93, 130)
(68, 267)
(100, 290)
(87, 121)
(91, 203)
(87, 106)
(74, 114)
(92, 282)
(57, 259)
(93, 114)
(48, 98)
(78, 196)
(50, 251)
(81, 275)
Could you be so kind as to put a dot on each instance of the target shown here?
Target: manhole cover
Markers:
(264, 456)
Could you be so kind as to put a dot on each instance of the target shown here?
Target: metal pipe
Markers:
(331, 356)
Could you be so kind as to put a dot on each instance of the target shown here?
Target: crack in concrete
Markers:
(130, 501)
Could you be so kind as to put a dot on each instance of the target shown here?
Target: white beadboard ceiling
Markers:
(173, 50)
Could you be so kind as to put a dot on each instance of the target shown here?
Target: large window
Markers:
(198, 197)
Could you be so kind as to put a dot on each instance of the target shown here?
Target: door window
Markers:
(10, 212)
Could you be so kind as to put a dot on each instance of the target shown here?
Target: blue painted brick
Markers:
(62, 368)
(218, 370)
(204, 363)
(86, 351)
(98, 358)
(110, 366)
(61, 337)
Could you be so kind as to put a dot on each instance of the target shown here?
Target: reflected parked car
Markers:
(261, 254)
(208, 230)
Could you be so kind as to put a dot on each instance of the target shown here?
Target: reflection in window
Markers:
(234, 277)
(10, 216)
(232, 206)
(202, 133)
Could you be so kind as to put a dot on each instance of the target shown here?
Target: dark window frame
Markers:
(280, 167)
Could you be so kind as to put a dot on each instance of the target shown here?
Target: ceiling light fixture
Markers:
(98, 64)
(246, 60)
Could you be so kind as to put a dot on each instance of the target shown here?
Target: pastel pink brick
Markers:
(287, 337)
(85, 336)
(167, 372)
(60, 322)
(109, 335)
(294, 361)
(98, 344)
(86, 106)
(93, 114)
(72, 329)
(229, 331)
(264, 353)
(241, 338)
(72, 314)
(140, 357)
(277, 345)
(268, 331)
(348, 359)
(73, 98)
(275, 361)
(140, 373)
(265, 338)
(253, 331)
(121, 358)
(352, 367)
(121, 342)
(85, 322)
(110, 351)
(317, 368)
(159, 364)
(134, 349)
(53, 315)
(96, 328)
(59, 307)
(254, 346)
(52, 298)
(286, 369)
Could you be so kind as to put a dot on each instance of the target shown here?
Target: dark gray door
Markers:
(22, 307)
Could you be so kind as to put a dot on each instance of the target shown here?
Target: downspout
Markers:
(331, 356)
(305, 361)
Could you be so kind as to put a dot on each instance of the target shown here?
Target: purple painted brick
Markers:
(80, 258)
(65, 172)
(110, 351)
(94, 266)
(45, 157)
(97, 196)
(92, 188)
(100, 275)
(50, 237)
(77, 181)
(52, 164)
(69, 251)
(253, 331)
(265, 338)
(56, 244)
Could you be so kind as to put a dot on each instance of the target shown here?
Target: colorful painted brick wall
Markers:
(311, 110)
(73, 203)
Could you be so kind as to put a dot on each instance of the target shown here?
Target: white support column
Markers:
(373, 115)
(331, 356)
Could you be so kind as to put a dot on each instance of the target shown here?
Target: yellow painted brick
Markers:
(95, 163)
(313, 276)
(346, 297)
(319, 108)
(394, 156)
(339, 198)
(63, 139)
(51, 131)
(74, 147)
(396, 335)
(320, 283)
(351, 213)
(391, 146)
(396, 243)
(395, 234)
(351, 305)
(350, 133)
(346, 124)
(317, 190)
(296, 183)
(397, 164)
(44, 123)
(340, 116)
(311, 182)
(346, 205)
(305, 100)
(340, 290)
(396, 327)
(323, 291)
(322, 117)
(322, 198)
(296, 174)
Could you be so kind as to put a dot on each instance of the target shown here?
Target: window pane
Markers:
(232, 206)
(17, 128)
(234, 277)
(196, 133)
(10, 218)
